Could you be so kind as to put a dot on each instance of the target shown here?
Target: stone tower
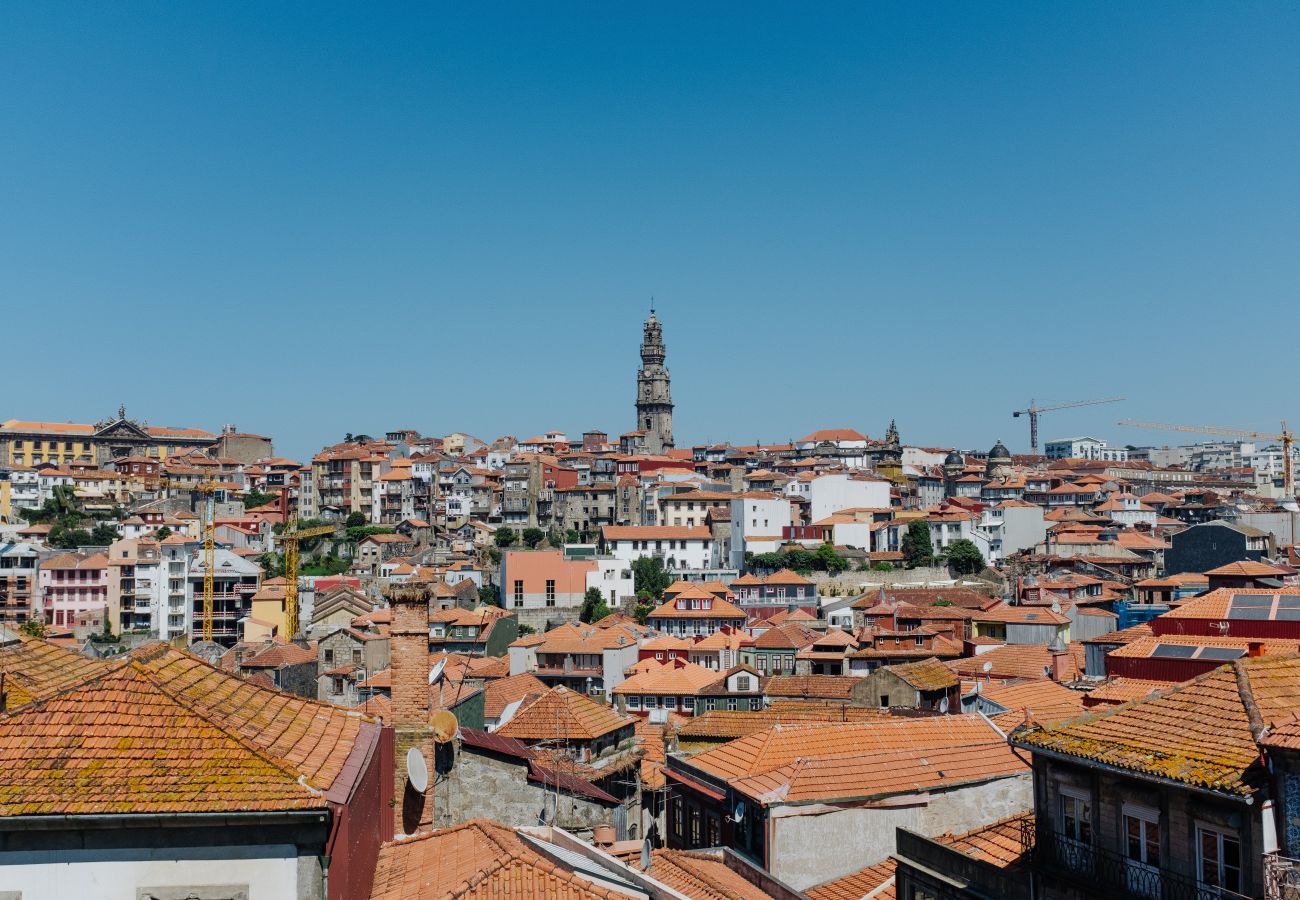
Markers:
(409, 667)
(654, 396)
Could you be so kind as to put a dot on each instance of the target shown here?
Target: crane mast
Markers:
(1033, 411)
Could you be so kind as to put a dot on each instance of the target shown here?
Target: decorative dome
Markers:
(1000, 451)
(953, 459)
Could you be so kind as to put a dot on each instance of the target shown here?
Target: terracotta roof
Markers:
(1216, 603)
(501, 692)
(1248, 569)
(999, 844)
(653, 754)
(1021, 615)
(1122, 690)
(832, 434)
(35, 669)
(925, 675)
(147, 735)
(702, 875)
(280, 655)
(655, 533)
(876, 882)
(829, 687)
(718, 609)
(783, 744)
(1017, 661)
(1199, 733)
(479, 859)
(562, 713)
(734, 723)
(674, 677)
(786, 637)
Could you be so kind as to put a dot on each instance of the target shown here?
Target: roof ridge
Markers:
(1247, 694)
(271, 760)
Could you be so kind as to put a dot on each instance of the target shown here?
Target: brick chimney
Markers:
(409, 655)
(1062, 664)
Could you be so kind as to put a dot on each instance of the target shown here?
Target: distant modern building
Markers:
(1085, 448)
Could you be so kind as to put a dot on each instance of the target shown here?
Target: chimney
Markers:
(409, 655)
(1255, 648)
(1062, 666)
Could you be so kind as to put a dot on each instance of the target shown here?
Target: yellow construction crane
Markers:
(289, 538)
(1035, 410)
(1286, 438)
(209, 490)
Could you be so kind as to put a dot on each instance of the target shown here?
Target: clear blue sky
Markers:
(310, 219)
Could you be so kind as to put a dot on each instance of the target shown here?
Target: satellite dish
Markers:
(943, 704)
(417, 772)
(988, 667)
(548, 809)
(739, 813)
(646, 855)
(436, 672)
(509, 712)
(444, 725)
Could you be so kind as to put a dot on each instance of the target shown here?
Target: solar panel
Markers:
(1174, 651)
(1238, 613)
(1252, 599)
(1288, 615)
(1221, 652)
(1288, 601)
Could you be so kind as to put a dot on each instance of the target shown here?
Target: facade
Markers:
(18, 583)
(682, 548)
(235, 581)
(1084, 448)
(30, 443)
(72, 585)
(654, 397)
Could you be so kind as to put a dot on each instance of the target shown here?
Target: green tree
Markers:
(33, 628)
(504, 537)
(163, 533)
(103, 535)
(829, 560)
(772, 561)
(916, 546)
(800, 560)
(882, 566)
(487, 595)
(572, 536)
(642, 611)
(942, 602)
(648, 575)
(533, 537)
(965, 558)
(257, 498)
(355, 519)
(590, 601)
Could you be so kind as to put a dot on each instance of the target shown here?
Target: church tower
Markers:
(654, 396)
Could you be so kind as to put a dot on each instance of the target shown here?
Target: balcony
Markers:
(1281, 877)
(1114, 876)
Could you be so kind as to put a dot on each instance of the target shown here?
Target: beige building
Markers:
(29, 443)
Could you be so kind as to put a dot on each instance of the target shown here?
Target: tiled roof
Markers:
(701, 875)
(1122, 690)
(1017, 661)
(925, 675)
(718, 609)
(35, 669)
(655, 533)
(1201, 732)
(564, 714)
(733, 723)
(671, 678)
(1215, 604)
(876, 882)
(1200, 647)
(281, 655)
(1021, 615)
(829, 687)
(134, 740)
(501, 692)
(1247, 569)
(790, 636)
(780, 745)
(653, 754)
(881, 773)
(477, 859)
(999, 844)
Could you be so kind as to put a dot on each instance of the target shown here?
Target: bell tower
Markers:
(654, 396)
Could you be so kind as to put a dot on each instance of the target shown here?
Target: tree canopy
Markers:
(916, 546)
(648, 575)
(965, 558)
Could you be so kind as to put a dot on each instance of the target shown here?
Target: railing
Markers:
(1113, 875)
(1281, 877)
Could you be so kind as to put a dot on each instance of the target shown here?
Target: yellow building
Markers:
(62, 443)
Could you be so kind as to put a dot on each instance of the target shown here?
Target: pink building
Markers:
(72, 584)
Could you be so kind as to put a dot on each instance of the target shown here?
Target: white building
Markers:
(680, 548)
(1011, 526)
(828, 494)
(756, 515)
(24, 490)
(1085, 448)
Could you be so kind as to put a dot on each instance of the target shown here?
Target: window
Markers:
(651, 702)
(550, 592)
(329, 658)
(633, 701)
(336, 686)
(688, 703)
(742, 682)
(695, 826)
(1142, 849)
(356, 657)
(678, 814)
(731, 704)
(1076, 815)
(519, 592)
(1218, 858)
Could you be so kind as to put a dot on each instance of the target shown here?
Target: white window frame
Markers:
(1221, 835)
(633, 701)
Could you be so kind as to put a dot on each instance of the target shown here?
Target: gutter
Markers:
(1129, 773)
(162, 820)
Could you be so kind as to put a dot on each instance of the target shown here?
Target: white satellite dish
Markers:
(436, 672)
(943, 704)
(738, 814)
(417, 772)
(988, 667)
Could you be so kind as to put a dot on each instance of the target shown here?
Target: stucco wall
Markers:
(810, 849)
(119, 874)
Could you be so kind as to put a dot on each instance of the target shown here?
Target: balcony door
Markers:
(1142, 850)
(1218, 857)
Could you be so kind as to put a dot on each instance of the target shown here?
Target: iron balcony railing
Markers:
(1113, 875)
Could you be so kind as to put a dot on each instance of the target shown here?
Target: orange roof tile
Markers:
(35, 669)
(1017, 661)
(1248, 569)
(702, 875)
(563, 714)
(925, 674)
(876, 882)
(1199, 733)
(477, 859)
(1122, 690)
(828, 687)
(720, 723)
(674, 677)
(501, 692)
(718, 609)
(1000, 843)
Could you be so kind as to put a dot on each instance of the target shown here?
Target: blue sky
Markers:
(314, 219)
